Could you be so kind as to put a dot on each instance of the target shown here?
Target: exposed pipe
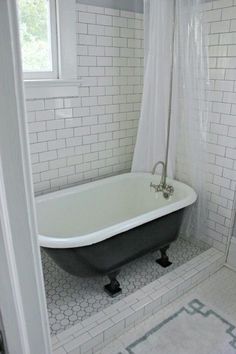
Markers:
(171, 89)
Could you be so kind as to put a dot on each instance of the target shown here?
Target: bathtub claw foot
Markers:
(113, 289)
(164, 260)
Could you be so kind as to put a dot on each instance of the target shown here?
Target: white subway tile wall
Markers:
(77, 139)
(220, 16)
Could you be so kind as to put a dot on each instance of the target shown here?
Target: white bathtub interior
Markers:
(93, 212)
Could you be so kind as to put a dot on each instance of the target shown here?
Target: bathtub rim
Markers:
(111, 231)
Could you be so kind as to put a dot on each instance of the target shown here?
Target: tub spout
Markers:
(163, 175)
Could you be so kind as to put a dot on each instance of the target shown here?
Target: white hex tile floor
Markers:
(72, 299)
(204, 319)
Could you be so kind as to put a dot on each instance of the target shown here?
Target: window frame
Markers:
(54, 74)
(23, 300)
(67, 80)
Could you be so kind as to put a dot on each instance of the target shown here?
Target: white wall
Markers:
(92, 133)
(231, 259)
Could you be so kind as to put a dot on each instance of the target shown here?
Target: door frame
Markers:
(22, 293)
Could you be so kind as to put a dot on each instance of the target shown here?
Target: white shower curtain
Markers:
(189, 118)
(151, 140)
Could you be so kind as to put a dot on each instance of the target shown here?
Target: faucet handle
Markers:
(170, 189)
(153, 185)
(157, 187)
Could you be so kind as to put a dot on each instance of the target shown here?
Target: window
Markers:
(38, 32)
(48, 41)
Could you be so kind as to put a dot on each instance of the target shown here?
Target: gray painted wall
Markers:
(128, 5)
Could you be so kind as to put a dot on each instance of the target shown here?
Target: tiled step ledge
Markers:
(94, 333)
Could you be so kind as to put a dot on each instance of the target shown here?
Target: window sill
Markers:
(50, 83)
(41, 89)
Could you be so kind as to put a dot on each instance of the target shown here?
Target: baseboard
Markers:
(231, 259)
(230, 267)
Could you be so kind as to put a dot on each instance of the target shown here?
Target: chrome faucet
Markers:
(166, 189)
(163, 175)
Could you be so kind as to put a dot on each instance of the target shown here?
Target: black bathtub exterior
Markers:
(109, 256)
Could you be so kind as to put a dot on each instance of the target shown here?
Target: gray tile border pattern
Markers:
(194, 307)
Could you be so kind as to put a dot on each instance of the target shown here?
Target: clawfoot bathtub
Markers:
(97, 228)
